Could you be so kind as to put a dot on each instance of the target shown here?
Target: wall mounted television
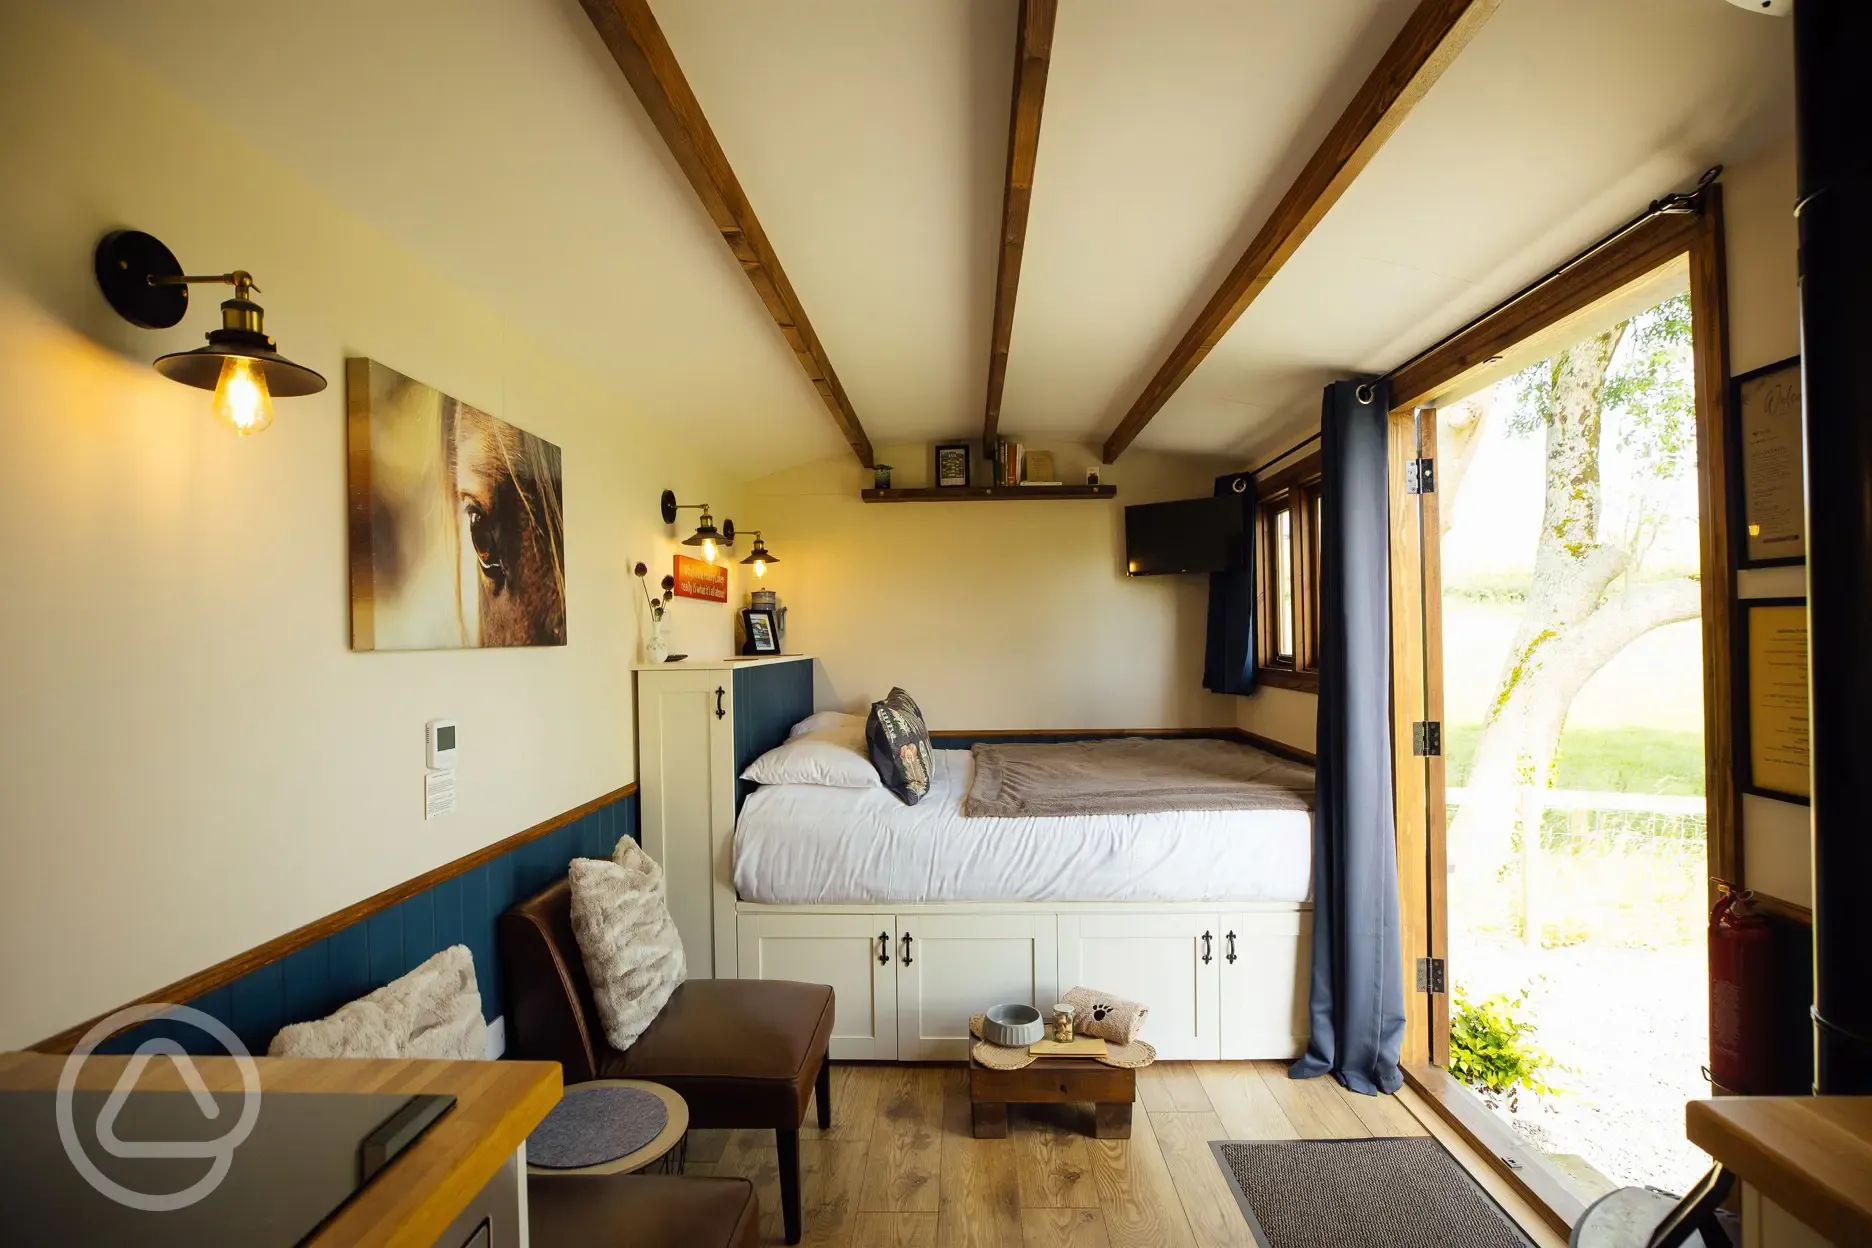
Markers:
(1189, 535)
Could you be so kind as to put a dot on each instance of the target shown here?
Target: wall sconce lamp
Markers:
(760, 557)
(145, 284)
(707, 536)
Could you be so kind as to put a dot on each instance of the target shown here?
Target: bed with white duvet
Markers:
(815, 844)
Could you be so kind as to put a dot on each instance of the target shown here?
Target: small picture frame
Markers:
(952, 465)
(761, 630)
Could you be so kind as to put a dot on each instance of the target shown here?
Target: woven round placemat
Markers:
(994, 1057)
(1129, 1056)
(1124, 1056)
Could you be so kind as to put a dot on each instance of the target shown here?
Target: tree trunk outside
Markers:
(1569, 630)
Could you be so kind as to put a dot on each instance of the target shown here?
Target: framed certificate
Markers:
(1769, 507)
(1774, 708)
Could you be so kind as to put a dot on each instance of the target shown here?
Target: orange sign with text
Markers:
(697, 578)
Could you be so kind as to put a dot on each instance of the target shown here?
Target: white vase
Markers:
(656, 650)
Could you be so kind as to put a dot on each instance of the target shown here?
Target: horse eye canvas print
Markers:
(457, 530)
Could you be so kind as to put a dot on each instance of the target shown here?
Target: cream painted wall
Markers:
(1764, 326)
(1285, 715)
(192, 760)
(992, 615)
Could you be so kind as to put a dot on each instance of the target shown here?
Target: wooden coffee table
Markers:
(1052, 1080)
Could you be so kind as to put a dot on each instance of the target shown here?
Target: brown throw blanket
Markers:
(1132, 776)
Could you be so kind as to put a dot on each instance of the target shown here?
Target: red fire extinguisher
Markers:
(1741, 971)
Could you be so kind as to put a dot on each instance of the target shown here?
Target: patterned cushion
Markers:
(899, 744)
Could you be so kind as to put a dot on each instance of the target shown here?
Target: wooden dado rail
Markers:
(312, 970)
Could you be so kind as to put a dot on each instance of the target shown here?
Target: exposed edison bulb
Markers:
(760, 567)
(708, 550)
(241, 400)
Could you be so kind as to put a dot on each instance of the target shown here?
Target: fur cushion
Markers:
(899, 744)
(633, 954)
(434, 1011)
(833, 756)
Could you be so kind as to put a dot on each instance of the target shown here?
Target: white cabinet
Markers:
(1265, 972)
(855, 953)
(685, 736)
(950, 966)
(1219, 984)
(699, 723)
(1168, 961)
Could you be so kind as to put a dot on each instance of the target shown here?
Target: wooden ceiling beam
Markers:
(1429, 42)
(636, 42)
(1033, 49)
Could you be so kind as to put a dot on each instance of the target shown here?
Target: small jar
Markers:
(1063, 1016)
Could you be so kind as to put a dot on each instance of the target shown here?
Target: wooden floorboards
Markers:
(900, 1169)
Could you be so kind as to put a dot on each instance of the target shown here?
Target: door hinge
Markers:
(1427, 738)
(1432, 975)
(1420, 476)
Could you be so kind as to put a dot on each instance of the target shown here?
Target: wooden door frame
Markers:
(1417, 671)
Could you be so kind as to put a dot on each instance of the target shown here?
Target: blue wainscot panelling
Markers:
(769, 698)
(313, 981)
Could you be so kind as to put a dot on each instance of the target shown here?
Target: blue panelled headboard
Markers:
(769, 698)
(343, 964)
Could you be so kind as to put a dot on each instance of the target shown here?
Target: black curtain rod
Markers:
(1677, 204)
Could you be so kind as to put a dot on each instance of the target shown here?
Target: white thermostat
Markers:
(440, 737)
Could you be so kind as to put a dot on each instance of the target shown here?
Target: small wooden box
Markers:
(1053, 1080)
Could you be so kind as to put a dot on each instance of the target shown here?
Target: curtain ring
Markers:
(1365, 392)
(1239, 485)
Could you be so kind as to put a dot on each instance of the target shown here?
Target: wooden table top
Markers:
(497, 1104)
(1812, 1155)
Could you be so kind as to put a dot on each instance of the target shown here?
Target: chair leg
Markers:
(823, 1090)
(788, 1142)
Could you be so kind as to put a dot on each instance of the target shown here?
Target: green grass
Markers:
(1615, 760)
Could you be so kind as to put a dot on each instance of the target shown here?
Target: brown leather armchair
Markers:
(744, 1053)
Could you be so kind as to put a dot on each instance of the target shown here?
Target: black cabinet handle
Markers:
(883, 948)
(720, 693)
(906, 948)
(1231, 946)
(1208, 948)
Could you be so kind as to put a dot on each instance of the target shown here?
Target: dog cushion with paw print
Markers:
(1101, 1014)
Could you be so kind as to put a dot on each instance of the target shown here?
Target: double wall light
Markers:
(146, 285)
(707, 536)
(761, 556)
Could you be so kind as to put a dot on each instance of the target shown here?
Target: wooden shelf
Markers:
(989, 493)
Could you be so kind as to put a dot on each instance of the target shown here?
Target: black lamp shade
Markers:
(760, 554)
(201, 367)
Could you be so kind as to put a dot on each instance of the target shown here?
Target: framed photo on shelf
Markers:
(952, 465)
(1773, 708)
(1767, 503)
(761, 630)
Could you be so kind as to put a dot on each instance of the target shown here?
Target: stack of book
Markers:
(1016, 465)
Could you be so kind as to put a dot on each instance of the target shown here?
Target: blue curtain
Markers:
(1357, 985)
(1228, 648)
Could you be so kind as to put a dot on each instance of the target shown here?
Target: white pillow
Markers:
(833, 757)
(633, 954)
(434, 1011)
(826, 719)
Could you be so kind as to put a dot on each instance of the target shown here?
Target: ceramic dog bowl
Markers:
(1013, 1026)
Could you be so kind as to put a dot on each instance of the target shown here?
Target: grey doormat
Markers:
(1387, 1193)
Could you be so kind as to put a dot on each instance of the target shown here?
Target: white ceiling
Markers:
(497, 140)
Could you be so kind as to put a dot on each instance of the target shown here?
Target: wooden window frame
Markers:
(1295, 490)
